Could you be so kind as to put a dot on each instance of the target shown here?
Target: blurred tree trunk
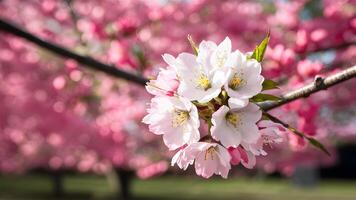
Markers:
(124, 178)
(305, 176)
(57, 183)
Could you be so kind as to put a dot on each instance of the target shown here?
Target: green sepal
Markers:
(264, 97)
(269, 85)
(260, 50)
(193, 45)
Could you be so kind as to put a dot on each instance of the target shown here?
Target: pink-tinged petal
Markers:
(176, 158)
(223, 171)
(243, 154)
(207, 161)
(166, 83)
(205, 167)
(270, 124)
(250, 162)
(235, 156)
(224, 156)
(181, 159)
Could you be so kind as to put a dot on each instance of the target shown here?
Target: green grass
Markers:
(175, 188)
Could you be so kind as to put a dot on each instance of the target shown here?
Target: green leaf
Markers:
(312, 141)
(260, 50)
(265, 117)
(269, 85)
(318, 145)
(193, 45)
(264, 97)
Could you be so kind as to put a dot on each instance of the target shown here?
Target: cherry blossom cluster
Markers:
(213, 87)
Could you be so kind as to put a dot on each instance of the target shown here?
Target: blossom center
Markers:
(209, 153)
(203, 82)
(233, 119)
(179, 117)
(236, 82)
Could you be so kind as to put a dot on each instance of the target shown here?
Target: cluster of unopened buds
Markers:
(213, 88)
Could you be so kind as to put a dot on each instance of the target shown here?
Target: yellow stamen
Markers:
(203, 82)
(211, 151)
(233, 119)
(236, 82)
(179, 117)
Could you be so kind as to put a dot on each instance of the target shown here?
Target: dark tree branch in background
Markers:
(319, 83)
(73, 15)
(85, 60)
(334, 47)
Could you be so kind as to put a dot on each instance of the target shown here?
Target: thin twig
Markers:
(311, 140)
(318, 84)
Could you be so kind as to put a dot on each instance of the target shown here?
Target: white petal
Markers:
(206, 48)
(219, 78)
(235, 103)
(221, 54)
(218, 117)
(222, 131)
(170, 60)
(250, 133)
(205, 167)
(251, 113)
(251, 161)
(173, 139)
(224, 156)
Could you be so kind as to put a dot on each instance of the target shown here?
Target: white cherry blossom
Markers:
(210, 158)
(235, 124)
(198, 81)
(270, 133)
(166, 83)
(175, 118)
(244, 77)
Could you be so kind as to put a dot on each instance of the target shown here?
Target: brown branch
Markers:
(318, 84)
(57, 49)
